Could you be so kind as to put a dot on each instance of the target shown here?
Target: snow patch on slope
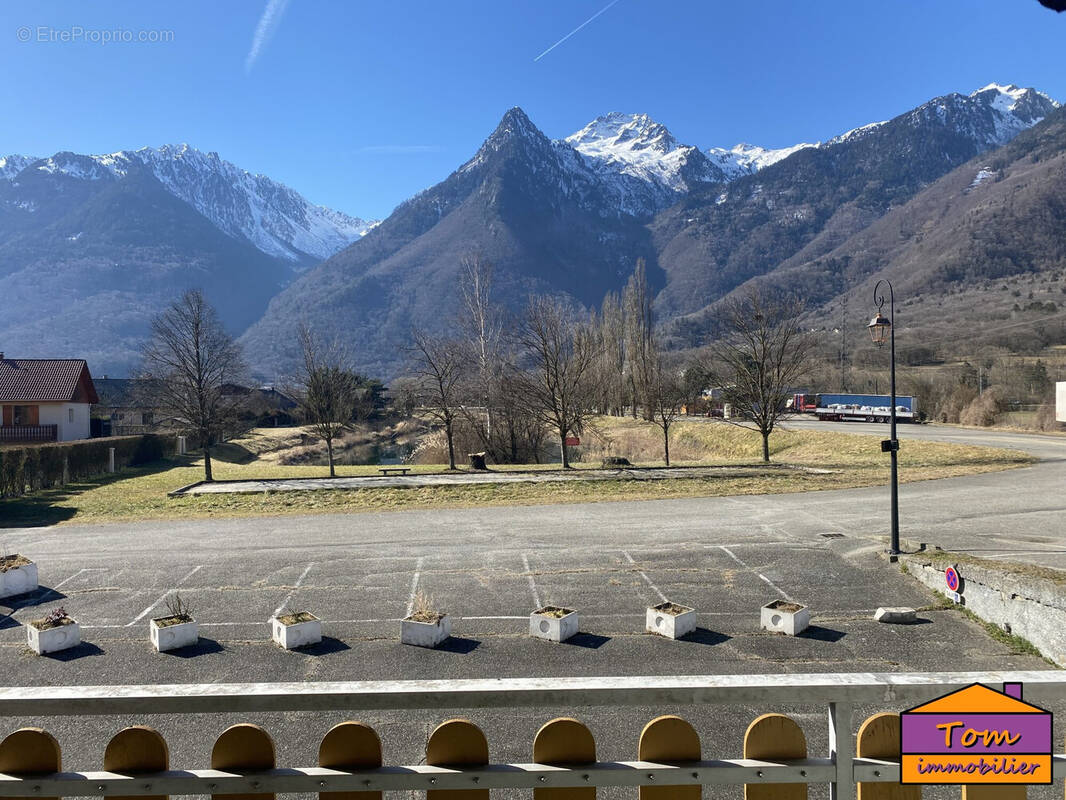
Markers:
(747, 159)
(274, 218)
(12, 165)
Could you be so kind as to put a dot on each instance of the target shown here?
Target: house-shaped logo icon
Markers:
(976, 735)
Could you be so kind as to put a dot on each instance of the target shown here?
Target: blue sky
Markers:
(360, 104)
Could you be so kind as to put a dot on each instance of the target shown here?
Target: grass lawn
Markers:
(854, 461)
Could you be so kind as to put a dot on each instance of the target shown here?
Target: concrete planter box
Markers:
(173, 637)
(52, 640)
(425, 634)
(553, 623)
(296, 634)
(18, 580)
(670, 620)
(782, 616)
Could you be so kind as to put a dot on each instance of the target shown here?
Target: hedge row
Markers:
(29, 468)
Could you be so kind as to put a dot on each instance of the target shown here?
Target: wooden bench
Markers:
(394, 470)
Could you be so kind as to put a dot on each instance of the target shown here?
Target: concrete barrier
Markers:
(1020, 601)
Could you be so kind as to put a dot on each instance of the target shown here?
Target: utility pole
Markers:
(844, 343)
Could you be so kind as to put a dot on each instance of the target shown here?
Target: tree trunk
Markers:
(329, 454)
(666, 444)
(562, 447)
(766, 446)
(208, 476)
(451, 446)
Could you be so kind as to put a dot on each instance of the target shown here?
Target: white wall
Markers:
(1060, 401)
(58, 414)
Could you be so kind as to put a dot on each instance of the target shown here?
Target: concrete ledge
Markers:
(1022, 601)
(468, 478)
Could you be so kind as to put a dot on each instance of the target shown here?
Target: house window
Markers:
(24, 415)
(70, 415)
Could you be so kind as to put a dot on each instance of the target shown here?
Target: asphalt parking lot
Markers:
(362, 591)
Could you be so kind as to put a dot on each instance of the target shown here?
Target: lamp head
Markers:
(879, 327)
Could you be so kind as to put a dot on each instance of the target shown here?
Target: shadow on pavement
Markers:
(822, 634)
(74, 653)
(590, 640)
(12, 604)
(202, 648)
(327, 646)
(458, 644)
(704, 636)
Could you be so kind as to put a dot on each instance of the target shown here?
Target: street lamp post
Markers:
(880, 329)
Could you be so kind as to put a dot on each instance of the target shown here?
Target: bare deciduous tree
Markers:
(188, 360)
(480, 318)
(562, 352)
(666, 396)
(438, 365)
(761, 360)
(328, 393)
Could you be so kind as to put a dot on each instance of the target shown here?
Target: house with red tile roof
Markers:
(44, 399)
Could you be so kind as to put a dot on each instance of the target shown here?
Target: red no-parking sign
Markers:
(951, 578)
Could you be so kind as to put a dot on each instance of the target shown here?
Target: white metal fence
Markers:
(840, 767)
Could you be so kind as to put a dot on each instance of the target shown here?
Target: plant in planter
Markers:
(670, 620)
(425, 627)
(54, 632)
(18, 575)
(175, 630)
(293, 629)
(554, 623)
(782, 616)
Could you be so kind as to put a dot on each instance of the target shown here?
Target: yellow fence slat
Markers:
(669, 739)
(137, 749)
(457, 743)
(243, 748)
(564, 741)
(28, 751)
(878, 737)
(773, 737)
(350, 746)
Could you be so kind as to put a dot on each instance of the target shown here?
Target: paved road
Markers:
(1017, 515)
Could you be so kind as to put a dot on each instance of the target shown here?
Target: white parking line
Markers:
(532, 583)
(414, 585)
(164, 596)
(40, 595)
(647, 580)
(295, 586)
(766, 580)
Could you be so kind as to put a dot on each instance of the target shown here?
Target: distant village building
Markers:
(45, 399)
(125, 408)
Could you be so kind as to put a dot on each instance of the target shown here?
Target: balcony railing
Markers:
(774, 748)
(28, 433)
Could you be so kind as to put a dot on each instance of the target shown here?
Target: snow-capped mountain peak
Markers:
(637, 146)
(615, 131)
(274, 218)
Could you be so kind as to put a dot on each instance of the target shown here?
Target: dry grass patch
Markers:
(853, 461)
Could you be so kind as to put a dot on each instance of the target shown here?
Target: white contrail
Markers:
(264, 31)
(575, 30)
